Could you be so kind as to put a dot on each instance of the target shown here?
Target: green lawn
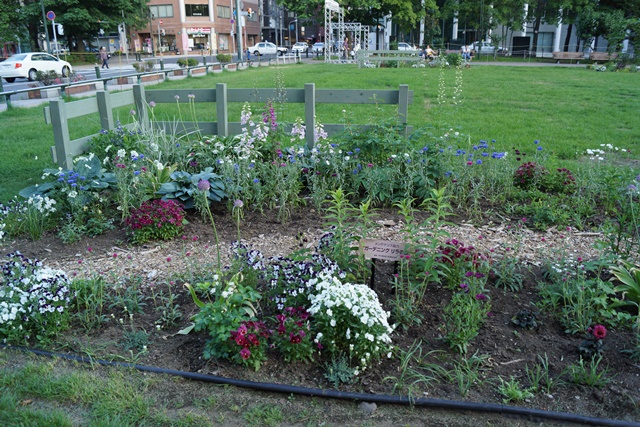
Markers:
(567, 109)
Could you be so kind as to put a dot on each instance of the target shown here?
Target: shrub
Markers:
(529, 175)
(47, 78)
(143, 67)
(223, 57)
(156, 219)
(454, 59)
(187, 62)
(33, 301)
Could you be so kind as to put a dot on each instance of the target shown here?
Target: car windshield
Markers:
(16, 58)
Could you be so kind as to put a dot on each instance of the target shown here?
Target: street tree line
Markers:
(616, 20)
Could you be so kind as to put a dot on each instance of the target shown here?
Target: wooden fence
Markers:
(58, 113)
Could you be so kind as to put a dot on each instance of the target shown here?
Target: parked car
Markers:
(485, 48)
(317, 48)
(406, 46)
(267, 48)
(301, 47)
(26, 65)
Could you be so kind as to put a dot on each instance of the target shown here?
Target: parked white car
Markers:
(301, 47)
(317, 47)
(26, 66)
(485, 48)
(267, 48)
(406, 46)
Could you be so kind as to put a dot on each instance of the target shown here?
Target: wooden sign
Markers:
(381, 249)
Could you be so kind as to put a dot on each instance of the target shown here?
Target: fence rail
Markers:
(59, 112)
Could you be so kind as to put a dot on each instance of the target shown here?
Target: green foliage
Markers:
(589, 373)
(526, 319)
(234, 303)
(223, 57)
(88, 307)
(47, 78)
(540, 377)
(135, 340)
(463, 317)
(183, 187)
(454, 59)
(338, 370)
(629, 277)
(156, 220)
(146, 66)
(187, 62)
(512, 391)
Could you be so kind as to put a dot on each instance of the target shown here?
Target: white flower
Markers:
(122, 152)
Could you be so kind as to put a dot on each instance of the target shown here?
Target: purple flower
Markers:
(481, 297)
(238, 203)
(152, 104)
(204, 185)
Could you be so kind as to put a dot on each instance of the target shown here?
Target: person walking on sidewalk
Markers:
(105, 57)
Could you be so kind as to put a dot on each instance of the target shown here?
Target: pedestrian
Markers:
(105, 57)
(345, 48)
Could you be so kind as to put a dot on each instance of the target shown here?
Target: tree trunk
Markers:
(536, 28)
(568, 38)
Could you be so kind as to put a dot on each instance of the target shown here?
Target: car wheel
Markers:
(256, 53)
(10, 79)
(33, 74)
(280, 53)
(65, 71)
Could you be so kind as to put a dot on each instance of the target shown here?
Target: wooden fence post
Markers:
(61, 134)
(310, 113)
(104, 110)
(140, 102)
(222, 111)
(403, 104)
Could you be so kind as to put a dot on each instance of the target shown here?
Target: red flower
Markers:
(599, 332)
(245, 353)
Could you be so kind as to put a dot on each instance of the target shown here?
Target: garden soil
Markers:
(502, 349)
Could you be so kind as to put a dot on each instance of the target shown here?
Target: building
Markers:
(196, 26)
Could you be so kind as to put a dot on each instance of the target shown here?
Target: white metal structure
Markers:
(335, 32)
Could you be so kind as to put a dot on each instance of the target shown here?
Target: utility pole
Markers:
(46, 30)
(239, 19)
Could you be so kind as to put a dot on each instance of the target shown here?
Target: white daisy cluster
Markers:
(600, 153)
(350, 319)
(44, 205)
(30, 294)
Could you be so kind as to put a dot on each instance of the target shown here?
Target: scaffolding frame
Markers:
(334, 34)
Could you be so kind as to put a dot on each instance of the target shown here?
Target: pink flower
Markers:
(245, 353)
(599, 332)
(168, 259)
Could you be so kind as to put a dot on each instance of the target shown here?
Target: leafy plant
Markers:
(184, 187)
(251, 337)
(187, 62)
(540, 378)
(156, 220)
(223, 57)
(234, 304)
(463, 317)
(526, 319)
(135, 340)
(629, 276)
(47, 78)
(143, 67)
(588, 373)
(512, 391)
(593, 344)
(338, 370)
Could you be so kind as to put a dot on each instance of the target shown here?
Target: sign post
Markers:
(51, 16)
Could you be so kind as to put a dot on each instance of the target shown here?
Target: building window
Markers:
(223, 41)
(291, 14)
(197, 9)
(162, 11)
(224, 12)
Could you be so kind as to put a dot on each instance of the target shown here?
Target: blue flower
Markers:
(355, 171)
(350, 153)
(256, 180)
(497, 155)
(485, 154)
(539, 148)
(478, 162)
(60, 179)
(357, 150)
(441, 150)
(136, 173)
(536, 142)
(448, 173)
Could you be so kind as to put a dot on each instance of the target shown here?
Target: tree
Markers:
(539, 11)
(82, 19)
(510, 14)
(9, 27)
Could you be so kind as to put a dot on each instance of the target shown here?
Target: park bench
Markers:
(602, 56)
(571, 56)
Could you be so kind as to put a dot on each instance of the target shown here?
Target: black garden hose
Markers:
(533, 414)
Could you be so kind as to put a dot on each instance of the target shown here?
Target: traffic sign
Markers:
(51, 16)
(232, 21)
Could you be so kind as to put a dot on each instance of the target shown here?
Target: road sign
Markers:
(51, 16)
(231, 21)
